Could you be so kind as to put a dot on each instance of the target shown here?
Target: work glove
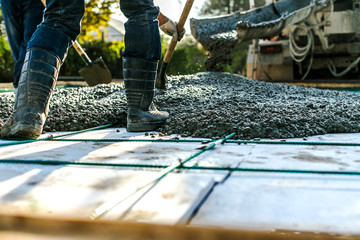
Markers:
(169, 28)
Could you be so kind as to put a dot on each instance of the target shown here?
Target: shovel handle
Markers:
(81, 52)
(180, 27)
(161, 79)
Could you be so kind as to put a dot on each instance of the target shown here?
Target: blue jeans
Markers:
(21, 19)
(142, 37)
(61, 26)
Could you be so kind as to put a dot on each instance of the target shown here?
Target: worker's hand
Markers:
(169, 27)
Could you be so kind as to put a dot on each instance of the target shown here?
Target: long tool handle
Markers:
(160, 81)
(180, 28)
(81, 52)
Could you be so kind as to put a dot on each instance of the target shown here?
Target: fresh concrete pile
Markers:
(213, 105)
(79, 108)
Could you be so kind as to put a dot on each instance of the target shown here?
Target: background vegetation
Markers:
(187, 59)
(216, 7)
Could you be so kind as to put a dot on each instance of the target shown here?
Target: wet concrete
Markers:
(212, 105)
(219, 35)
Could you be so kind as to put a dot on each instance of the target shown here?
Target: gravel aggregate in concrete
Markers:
(212, 105)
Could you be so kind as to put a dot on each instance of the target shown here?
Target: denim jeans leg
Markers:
(61, 26)
(21, 19)
(142, 37)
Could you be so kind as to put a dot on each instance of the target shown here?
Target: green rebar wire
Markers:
(283, 142)
(182, 166)
(19, 141)
(6, 90)
(136, 140)
(57, 138)
(296, 143)
(109, 205)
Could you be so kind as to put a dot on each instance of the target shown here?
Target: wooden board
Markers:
(243, 200)
(173, 200)
(75, 192)
(284, 201)
(302, 157)
(30, 228)
(105, 152)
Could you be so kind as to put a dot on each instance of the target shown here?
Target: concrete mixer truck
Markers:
(308, 42)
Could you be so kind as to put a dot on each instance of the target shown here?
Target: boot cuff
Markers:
(140, 64)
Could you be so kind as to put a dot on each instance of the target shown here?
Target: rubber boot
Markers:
(139, 78)
(36, 85)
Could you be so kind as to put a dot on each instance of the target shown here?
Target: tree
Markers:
(187, 58)
(217, 7)
(6, 60)
(97, 14)
(2, 26)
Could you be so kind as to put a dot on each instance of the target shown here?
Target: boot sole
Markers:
(143, 127)
(22, 131)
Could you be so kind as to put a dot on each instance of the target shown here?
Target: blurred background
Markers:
(103, 31)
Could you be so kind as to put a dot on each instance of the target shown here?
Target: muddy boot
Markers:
(139, 78)
(36, 84)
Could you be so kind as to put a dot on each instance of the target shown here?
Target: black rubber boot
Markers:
(139, 78)
(36, 85)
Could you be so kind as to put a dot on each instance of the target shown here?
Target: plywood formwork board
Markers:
(171, 201)
(122, 152)
(308, 157)
(227, 155)
(125, 152)
(248, 200)
(62, 191)
(106, 152)
(75, 192)
(300, 202)
(322, 158)
(31, 228)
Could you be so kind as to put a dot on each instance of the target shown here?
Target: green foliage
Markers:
(2, 26)
(188, 58)
(6, 61)
(97, 14)
(109, 51)
(239, 55)
(216, 7)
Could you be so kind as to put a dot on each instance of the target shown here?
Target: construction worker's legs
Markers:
(46, 52)
(142, 37)
(21, 19)
(60, 26)
(142, 52)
